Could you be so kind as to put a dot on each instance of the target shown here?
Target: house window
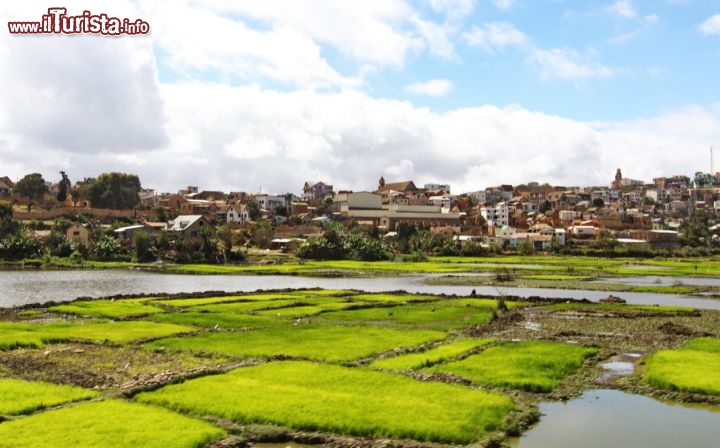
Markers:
(76, 233)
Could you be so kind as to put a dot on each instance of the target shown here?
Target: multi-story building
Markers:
(497, 216)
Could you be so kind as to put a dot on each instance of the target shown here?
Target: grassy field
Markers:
(219, 321)
(430, 316)
(343, 400)
(14, 335)
(105, 308)
(326, 342)
(533, 264)
(379, 369)
(107, 424)
(24, 397)
(427, 358)
(534, 366)
(693, 368)
(192, 301)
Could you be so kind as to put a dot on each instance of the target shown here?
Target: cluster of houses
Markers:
(632, 211)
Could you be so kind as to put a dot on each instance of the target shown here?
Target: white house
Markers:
(269, 202)
(444, 201)
(444, 187)
(497, 216)
(477, 197)
(316, 190)
(238, 214)
(581, 231)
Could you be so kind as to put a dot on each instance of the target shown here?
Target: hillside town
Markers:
(666, 214)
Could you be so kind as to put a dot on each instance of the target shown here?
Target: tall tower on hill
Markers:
(618, 179)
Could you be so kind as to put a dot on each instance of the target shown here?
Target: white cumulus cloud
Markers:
(567, 64)
(436, 87)
(495, 36)
(623, 8)
(504, 5)
(711, 25)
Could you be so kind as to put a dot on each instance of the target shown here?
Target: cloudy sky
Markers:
(262, 95)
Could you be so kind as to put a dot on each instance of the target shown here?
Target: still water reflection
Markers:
(28, 286)
(610, 418)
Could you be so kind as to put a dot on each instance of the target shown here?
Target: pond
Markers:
(20, 287)
(658, 280)
(609, 418)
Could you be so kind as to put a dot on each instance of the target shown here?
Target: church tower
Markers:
(618, 179)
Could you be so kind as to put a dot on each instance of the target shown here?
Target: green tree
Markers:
(143, 247)
(163, 243)
(33, 187)
(281, 210)
(161, 213)
(63, 187)
(253, 209)
(108, 248)
(56, 244)
(404, 231)
(695, 231)
(209, 247)
(18, 246)
(225, 235)
(262, 234)
(117, 191)
(8, 226)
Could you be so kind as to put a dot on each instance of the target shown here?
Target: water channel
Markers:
(599, 418)
(20, 287)
(609, 418)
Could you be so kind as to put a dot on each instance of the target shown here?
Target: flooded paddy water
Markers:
(610, 418)
(21, 287)
(599, 418)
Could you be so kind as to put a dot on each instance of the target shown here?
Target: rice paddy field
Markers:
(346, 368)
(556, 265)
(694, 367)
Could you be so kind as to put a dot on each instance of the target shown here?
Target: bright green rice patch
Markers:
(324, 292)
(221, 320)
(432, 316)
(329, 343)
(14, 335)
(430, 357)
(553, 277)
(343, 400)
(304, 310)
(107, 308)
(704, 344)
(245, 307)
(480, 303)
(534, 366)
(693, 368)
(672, 289)
(24, 397)
(621, 307)
(195, 301)
(108, 424)
(28, 314)
(393, 298)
